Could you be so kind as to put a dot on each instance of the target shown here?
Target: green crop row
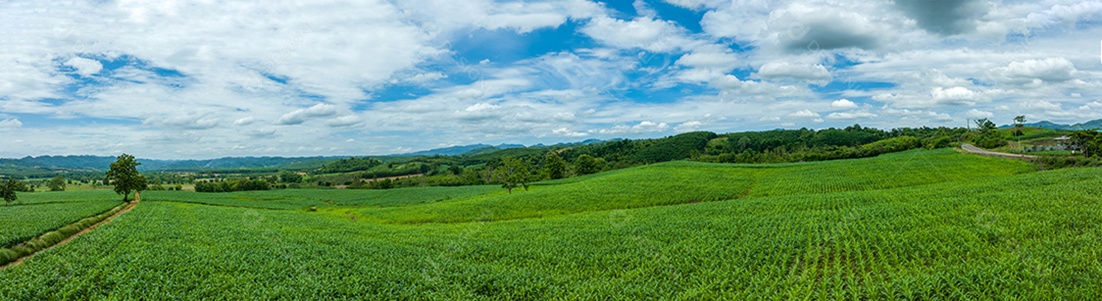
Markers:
(22, 222)
(52, 237)
(303, 198)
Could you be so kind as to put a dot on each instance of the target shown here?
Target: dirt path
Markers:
(86, 230)
(982, 152)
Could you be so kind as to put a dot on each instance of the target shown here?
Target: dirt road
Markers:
(982, 152)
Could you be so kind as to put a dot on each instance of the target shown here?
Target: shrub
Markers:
(7, 255)
(22, 250)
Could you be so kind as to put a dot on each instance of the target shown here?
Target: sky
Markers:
(206, 79)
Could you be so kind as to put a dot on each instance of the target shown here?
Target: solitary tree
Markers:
(124, 175)
(57, 183)
(7, 190)
(512, 173)
(555, 165)
(1019, 122)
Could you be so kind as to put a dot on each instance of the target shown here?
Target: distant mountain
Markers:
(1089, 125)
(101, 163)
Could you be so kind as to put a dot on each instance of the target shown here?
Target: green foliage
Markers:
(57, 183)
(512, 173)
(231, 186)
(294, 199)
(554, 165)
(586, 164)
(290, 177)
(670, 148)
(688, 182)
(23, 222)
(349, 164)
(8, 190)
(125, 177)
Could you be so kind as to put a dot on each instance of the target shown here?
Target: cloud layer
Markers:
(199, 79)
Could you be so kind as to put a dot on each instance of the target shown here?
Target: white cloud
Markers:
(643, 127)
(1049, 70)
(843, 104)
(851, 115)
(244, 121)
(816, 74)
(10, 123)
(84, 67)
(300, 116)
(804, 113)
(977, 114)
(688, 126)
(568, 133)
(343, 121)
(643, 33)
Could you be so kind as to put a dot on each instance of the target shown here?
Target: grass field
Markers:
(919, 225)
(36, 213)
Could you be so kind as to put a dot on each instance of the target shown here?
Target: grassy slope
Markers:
(690, 182)
(949, 228)
(302, 198)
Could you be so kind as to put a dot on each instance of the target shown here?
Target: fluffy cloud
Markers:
(804, 113)
(1032, 71)
(816, 74)
(83, 66)
(643, 32)
(10, 123)
(843, 104)
(851, 115)
(977, 114)
(299, 116)
(643, 127)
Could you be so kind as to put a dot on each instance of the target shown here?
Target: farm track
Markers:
(982, 152)
(70, 238)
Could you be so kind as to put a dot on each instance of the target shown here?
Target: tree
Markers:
(985, 126)
(290, 177)
(57, 183)
(124, 175)
(1019, 122)
(7, 190)
(555, 165)
(512, 173)
(586, 164)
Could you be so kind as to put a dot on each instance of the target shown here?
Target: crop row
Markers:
(52, 237)
(22, 222)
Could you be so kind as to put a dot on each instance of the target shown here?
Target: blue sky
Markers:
(198, 79)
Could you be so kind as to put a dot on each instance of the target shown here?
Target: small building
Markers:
(1062, 140)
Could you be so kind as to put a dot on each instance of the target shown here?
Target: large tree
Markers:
(1019, 123)
(512, 173)
(555, 165)
(124, 175)
(57, 183)
(8, 189)
(586, 164)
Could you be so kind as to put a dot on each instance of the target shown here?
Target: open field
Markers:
(913, 225)
(37, 213)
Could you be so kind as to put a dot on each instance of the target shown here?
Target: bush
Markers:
(22, 250)
(7, 255)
